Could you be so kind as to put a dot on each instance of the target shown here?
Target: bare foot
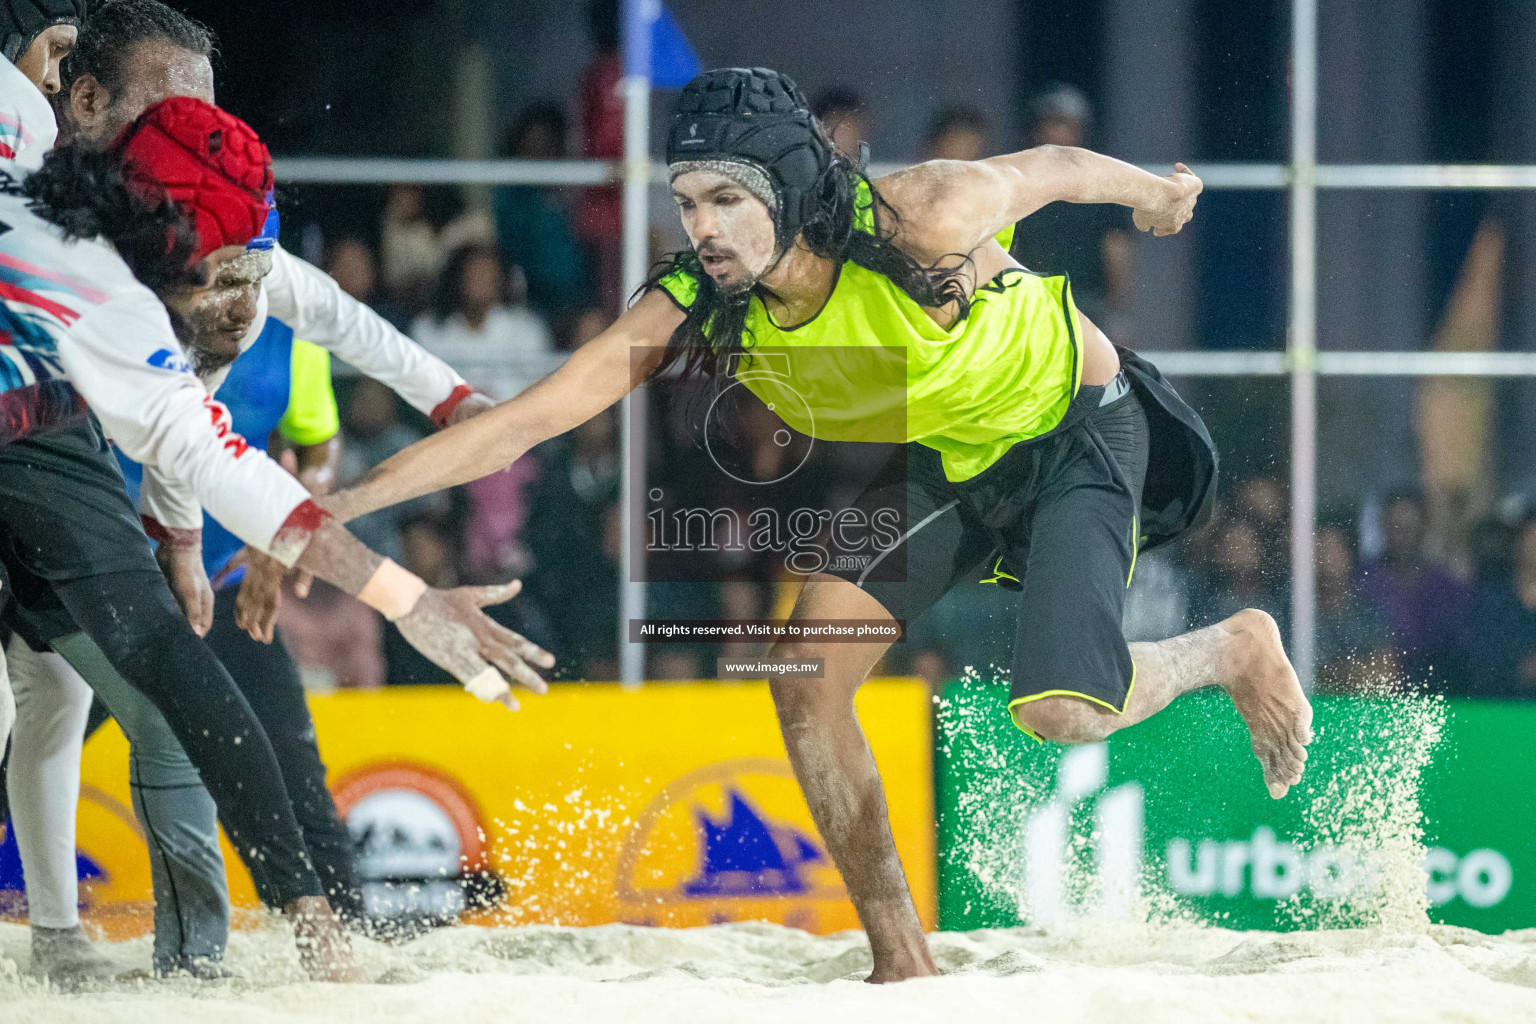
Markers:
(884, 974)
(909, 959)
(324, 949)
(1258, 677)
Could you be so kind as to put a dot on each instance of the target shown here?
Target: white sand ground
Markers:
(1078, 972)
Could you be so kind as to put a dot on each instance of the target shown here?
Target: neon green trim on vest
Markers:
(682, 286)
(311, 417)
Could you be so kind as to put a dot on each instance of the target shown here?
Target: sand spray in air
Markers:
(1364, 845)
(1042, 835)
(544, 854)
(1026, 839)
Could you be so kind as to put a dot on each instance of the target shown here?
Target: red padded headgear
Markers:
(209, 161)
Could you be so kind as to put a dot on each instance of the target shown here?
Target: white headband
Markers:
(748, 175)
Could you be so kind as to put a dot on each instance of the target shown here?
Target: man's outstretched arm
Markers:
(950, 206)
(599, 374)
(313, 304)
(162, 416)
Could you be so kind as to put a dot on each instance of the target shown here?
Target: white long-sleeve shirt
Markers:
(307, 300)
(73, 311)
(27, 127)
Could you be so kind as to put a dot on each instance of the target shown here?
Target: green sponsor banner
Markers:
(1408, 805)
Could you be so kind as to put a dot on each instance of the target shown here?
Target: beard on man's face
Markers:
(205, 362)
(205, 359)
(737, 280)
(733, 286)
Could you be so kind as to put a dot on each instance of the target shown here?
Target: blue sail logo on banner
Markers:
(732, 840)
(746, 855)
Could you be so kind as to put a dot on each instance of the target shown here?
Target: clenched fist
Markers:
(1174, 206)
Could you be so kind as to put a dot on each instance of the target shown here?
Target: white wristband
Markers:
(392, 590)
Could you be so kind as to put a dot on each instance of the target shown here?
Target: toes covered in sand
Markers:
(1264, 687)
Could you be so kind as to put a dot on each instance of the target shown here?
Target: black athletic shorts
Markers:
(65, 514)
(1054, 519)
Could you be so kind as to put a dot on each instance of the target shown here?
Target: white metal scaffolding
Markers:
(1300, 360)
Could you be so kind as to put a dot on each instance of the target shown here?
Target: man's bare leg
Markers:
(837, 773)
(1243, 655)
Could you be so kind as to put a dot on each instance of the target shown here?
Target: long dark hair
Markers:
(715, 324)
(86, 193)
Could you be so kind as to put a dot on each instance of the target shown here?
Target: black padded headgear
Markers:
(760, 117)
(22, 21)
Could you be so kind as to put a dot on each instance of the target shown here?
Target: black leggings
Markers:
(139, 627)
(269, 679)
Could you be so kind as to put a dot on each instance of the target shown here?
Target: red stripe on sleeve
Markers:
(297, 530)
(446, 406)
(181, 539)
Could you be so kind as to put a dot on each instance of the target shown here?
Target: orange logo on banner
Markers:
(417, 833)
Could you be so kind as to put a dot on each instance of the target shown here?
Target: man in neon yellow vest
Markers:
(1036, 451)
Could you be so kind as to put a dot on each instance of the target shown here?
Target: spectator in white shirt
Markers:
(498, 347)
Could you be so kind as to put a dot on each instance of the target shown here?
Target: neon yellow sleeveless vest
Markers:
(873, 366)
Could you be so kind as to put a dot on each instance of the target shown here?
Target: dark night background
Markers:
(1202, 81)
(368, 79)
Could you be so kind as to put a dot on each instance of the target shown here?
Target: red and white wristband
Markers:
(446, 407)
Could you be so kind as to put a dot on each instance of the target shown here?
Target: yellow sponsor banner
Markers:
(673, 804)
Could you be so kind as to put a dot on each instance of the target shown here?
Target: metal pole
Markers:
(374, 170)
(637, 15)
(1302, 343)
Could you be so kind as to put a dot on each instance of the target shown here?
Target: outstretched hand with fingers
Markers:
(449, 627)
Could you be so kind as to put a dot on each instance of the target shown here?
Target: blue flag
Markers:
(673, 61)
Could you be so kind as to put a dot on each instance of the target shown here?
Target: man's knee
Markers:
(1061, 720)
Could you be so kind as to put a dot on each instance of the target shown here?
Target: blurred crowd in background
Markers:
(1415, 588)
